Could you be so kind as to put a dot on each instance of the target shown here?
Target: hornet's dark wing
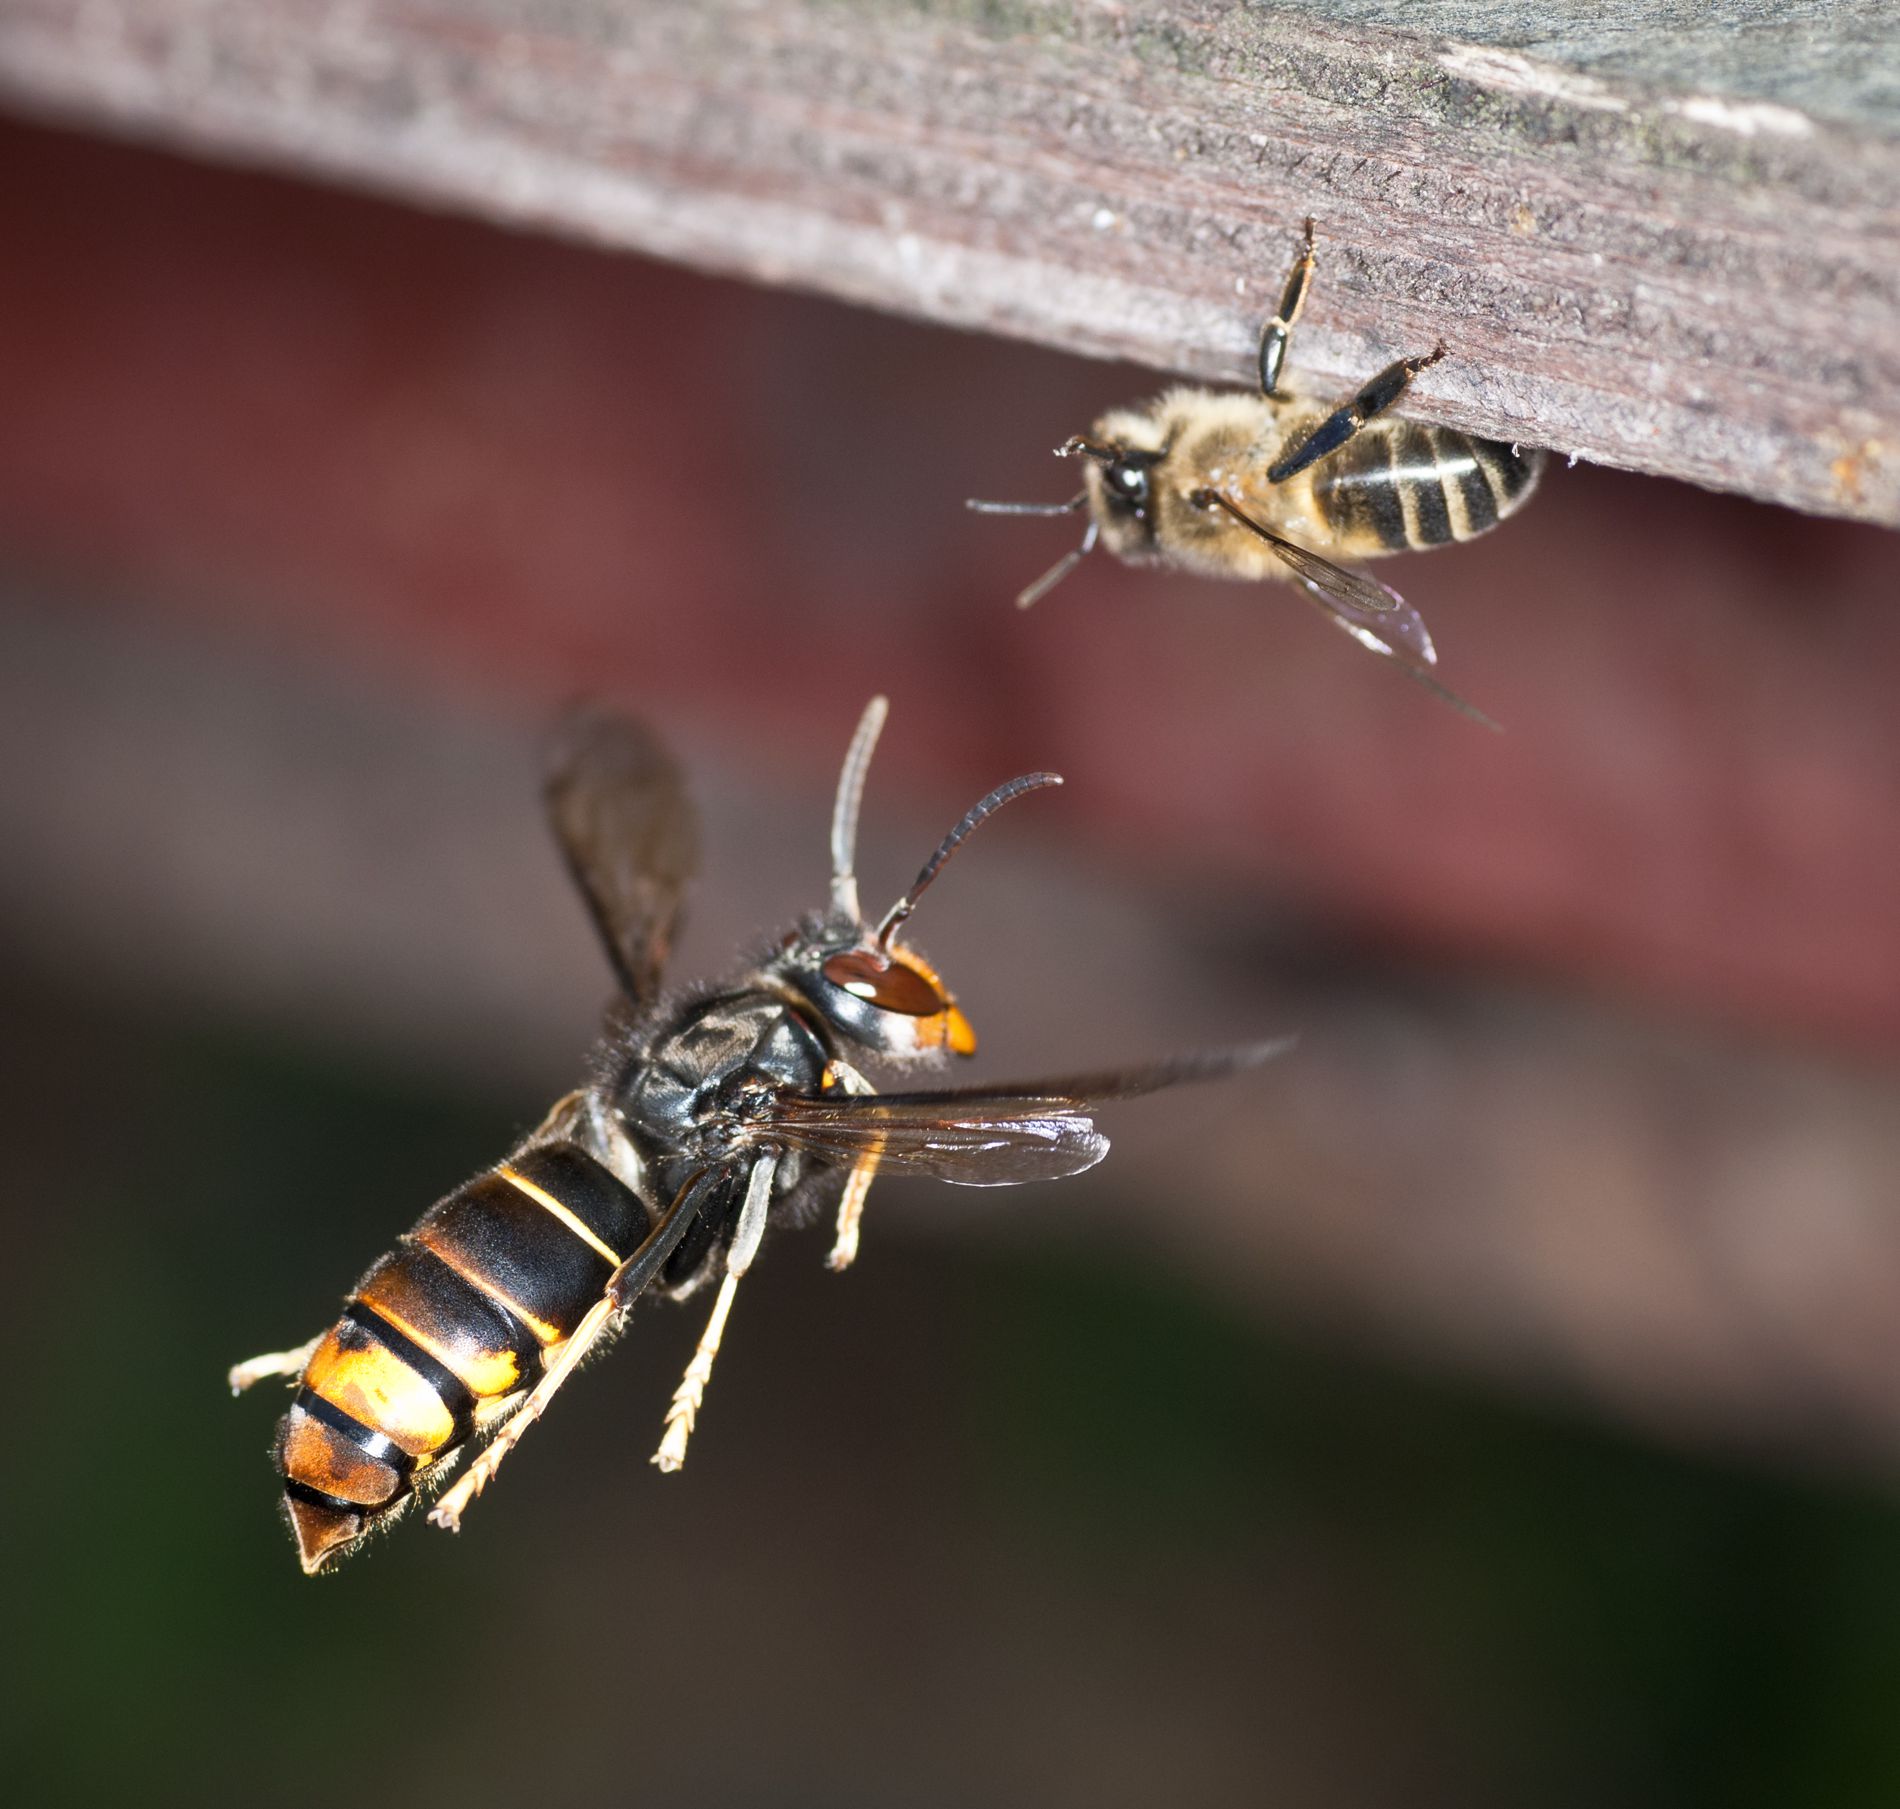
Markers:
(620, 812)
(1374, 614)
(983, 1136)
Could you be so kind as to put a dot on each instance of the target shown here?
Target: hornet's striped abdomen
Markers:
(442, 1334)
(1399, 486)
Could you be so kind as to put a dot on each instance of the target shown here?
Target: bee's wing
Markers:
(620, 812)
(1374, 614)
(1410, 647)
(984, 1136)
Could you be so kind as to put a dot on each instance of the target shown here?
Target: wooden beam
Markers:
(1668, 245)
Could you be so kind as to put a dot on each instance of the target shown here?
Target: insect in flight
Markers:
(710, 1116)
(1238, 485)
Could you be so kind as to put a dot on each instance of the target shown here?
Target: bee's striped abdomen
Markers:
(1399, 487)
(446, 1329)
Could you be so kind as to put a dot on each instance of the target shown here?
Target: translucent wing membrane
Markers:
(1399, 627)
(934, 1141)
(1363, 595)
(620, 812)
(1374, 614)
(1410, 650)
(986, 1136)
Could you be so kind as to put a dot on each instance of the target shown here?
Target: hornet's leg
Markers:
(1277, 334)
(687, 1398)
(844, 1249)
(625, 1283)
(273, 1363)
(448, 1511)
(1346, 420)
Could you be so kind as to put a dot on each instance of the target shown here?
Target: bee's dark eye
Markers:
(890, 988)
(1129, 482)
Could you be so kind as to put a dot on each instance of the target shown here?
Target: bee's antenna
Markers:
(983, 807)
(1078, 501)
(844, 813)
(1067, 563)
(1061, 569)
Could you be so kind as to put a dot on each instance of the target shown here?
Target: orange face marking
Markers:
(946, 1029)
(350, 1370)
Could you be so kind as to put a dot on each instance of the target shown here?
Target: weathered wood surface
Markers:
(1668, 239)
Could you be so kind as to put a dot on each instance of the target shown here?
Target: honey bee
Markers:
(712, 1115)
(1237, 485)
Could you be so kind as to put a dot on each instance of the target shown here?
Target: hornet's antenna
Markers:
(983, 807)
(844, 813)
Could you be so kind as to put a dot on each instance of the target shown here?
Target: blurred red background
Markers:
(520, 468)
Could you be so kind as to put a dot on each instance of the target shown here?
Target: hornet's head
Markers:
(865, 985)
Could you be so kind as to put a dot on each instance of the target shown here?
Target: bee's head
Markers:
(1119, 481)
(862, 982)
(1118, 491)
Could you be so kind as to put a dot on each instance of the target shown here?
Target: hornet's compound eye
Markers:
(890, 986)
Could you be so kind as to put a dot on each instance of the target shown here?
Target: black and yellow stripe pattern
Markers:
(1401, 487)
(444, 1331)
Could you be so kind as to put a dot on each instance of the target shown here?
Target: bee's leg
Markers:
(691, 1392)
(844, 1248)
(273, 1363)
(1277, 334)
(623, 1286)
(1346, 420)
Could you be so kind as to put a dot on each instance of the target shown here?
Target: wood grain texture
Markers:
(1668, 240)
